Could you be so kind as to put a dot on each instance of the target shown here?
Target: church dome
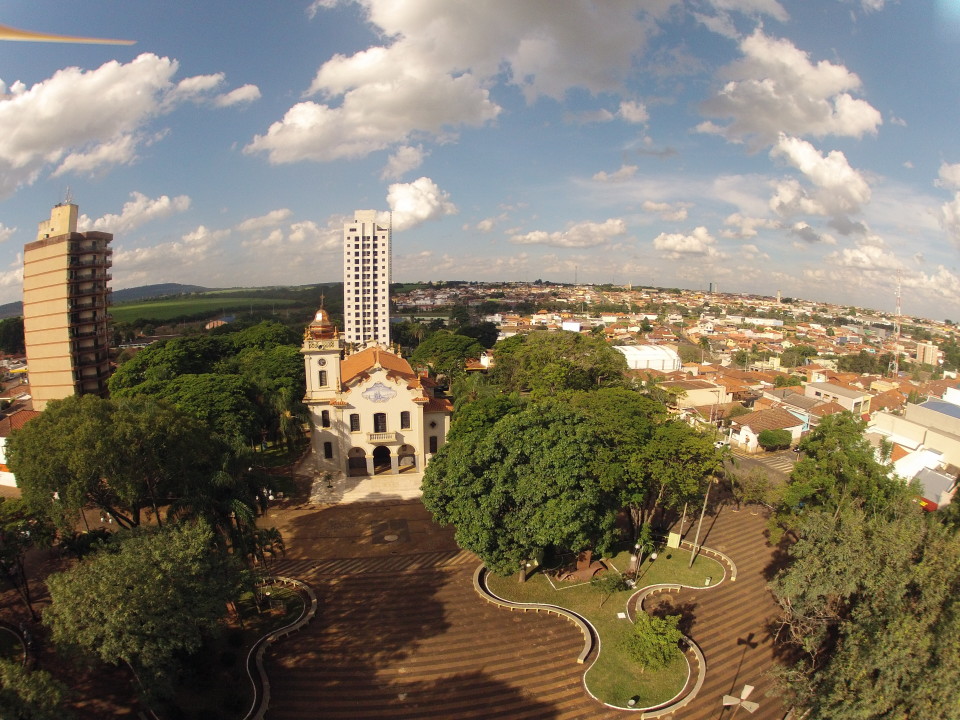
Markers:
(321, 328)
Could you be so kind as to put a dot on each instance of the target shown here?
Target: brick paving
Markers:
(401, 633)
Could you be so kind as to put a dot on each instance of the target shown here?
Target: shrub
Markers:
(654, 640)
(774, 439)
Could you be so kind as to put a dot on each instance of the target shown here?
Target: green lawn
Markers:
(616, 677)
(176, 307)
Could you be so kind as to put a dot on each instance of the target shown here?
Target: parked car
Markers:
(721, 444)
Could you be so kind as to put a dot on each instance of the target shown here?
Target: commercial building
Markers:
(65, 300)
(366, 280)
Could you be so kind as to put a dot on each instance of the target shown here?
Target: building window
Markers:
(433, 444)
(325, 418)
(354, 423)
(379, 422)
(328, 451)
(322, 378)
(405, 420)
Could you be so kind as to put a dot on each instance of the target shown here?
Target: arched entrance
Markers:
(407, 458)
(357, 461)
(381, 459)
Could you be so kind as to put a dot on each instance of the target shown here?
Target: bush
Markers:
(654, 639)
(774, 439)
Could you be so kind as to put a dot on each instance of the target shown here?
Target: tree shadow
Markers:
(672, 606)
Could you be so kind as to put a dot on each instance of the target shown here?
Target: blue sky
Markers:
(806, 146)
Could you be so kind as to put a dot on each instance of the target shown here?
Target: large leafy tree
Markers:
(673, 468)
(522, 486)
(30, 694)
(226, 404)
(870, 606)
(546, 363)
(20, 530)
(146, 600)
(839, 468)
(122, 456)
(446, 354)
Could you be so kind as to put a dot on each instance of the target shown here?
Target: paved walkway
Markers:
(341, 488)
(401, 633)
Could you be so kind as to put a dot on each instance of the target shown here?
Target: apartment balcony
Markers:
(383, 438)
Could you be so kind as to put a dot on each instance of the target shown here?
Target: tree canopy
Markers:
(446, 354)
(546, 363)
(870, 603)
(122, 456)
(146, 600)
(839, 468)
(522, 486)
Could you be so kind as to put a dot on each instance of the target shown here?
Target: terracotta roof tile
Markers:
(358, 364)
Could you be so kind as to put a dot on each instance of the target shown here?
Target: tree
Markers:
(653, 642)
(839, 468)
(446, 353)
(145, 600)
(750, 487)
(20, 530)
(224, 403)
(869, 604)
(11, 336)
(774, 439)
(485, 333)
(673, 469)
(523, 486)
(546, 363)
(30, 694)
(786, 381)
(122, 456)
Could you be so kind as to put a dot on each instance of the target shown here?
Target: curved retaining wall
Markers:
(715, 554)
(588, 632)
(261, 692)
(730, 569)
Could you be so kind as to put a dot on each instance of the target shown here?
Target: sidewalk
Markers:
(342, 489)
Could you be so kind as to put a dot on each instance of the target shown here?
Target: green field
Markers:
(163, 310)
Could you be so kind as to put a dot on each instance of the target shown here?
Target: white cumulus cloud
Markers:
(35, 135)
(667, 211)
(745, 226)
(579, 235)
(443, 56)
(677, 245)
(270, 220)
(838, 188)
(414, 203)
(626, 172)
(403, 160)
(244, 94)
(776, 88)
(136, 212)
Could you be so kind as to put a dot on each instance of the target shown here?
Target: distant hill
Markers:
(148, 292)
(144, 292)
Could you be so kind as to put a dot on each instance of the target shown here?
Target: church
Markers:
(371, 414)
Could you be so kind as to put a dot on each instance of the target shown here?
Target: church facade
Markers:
(370, 412)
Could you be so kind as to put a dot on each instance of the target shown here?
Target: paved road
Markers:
(778, 464)
(401, 633)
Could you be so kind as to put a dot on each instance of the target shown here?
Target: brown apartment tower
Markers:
(65, 300)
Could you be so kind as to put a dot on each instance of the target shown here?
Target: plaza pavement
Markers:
(400, 632)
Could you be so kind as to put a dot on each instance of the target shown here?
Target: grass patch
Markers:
(616, 677)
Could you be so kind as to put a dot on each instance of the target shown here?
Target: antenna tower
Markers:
(895, 363)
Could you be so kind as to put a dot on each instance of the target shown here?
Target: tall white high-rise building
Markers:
(366, 279)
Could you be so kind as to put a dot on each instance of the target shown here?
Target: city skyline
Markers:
(764, 146)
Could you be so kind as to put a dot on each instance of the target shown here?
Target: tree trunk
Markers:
(523, 572)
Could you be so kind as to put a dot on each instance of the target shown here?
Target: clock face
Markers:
(321, 362)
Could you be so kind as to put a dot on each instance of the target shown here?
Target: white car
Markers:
(721, 444)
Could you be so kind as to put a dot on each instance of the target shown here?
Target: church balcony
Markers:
(383, 437)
